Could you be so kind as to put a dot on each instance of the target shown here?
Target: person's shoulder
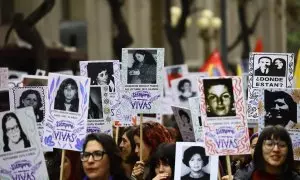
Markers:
(185, 177)
(295, 175)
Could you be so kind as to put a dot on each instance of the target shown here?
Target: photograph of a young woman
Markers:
(67, 96)
(143, 70)
(14, 137)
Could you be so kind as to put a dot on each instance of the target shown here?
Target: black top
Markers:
(187, 177)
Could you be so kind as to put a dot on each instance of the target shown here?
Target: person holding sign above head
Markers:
(101, 158)
(14, 137)
(273, 156)
(162, 162)
(67, 96)
(194, 158)
(264, 64)
(219, 97)
(143, 70)
(185, 87)
(153, 135)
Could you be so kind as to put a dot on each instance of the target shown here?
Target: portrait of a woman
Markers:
(185, 88)
(102, 74)
(32, 98)
(219, 97)
(67, 96)
(14, 137)
(143, 70)
(194, 158)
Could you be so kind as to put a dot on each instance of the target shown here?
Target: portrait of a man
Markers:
(280, 108)
(219, 97)
(264, 64)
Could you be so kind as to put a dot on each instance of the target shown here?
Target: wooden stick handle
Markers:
(228, 166)
(141, 137)
(117, 134)
(62, 164)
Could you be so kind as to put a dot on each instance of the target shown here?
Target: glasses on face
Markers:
(97, 155)
(13, 129)
(270, 144)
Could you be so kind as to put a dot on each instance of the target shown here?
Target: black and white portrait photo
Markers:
(185, 88)
(184, 122)
(219, 97)
(95, 107)
(101, 73)
(14, 137)
(193, 164)
(266, 66)
(142, 67)
(32, 97)
(4, 100)
(67, 96)
(280, 108)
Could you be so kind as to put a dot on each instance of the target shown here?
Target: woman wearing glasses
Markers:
(101, 158)
(273, 156)
(14, 137)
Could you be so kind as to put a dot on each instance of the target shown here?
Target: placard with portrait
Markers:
(184, 122)
(267, 70)
(223, 116)
(67, 105)
(21, 154)
(184, 88)
(99, 114)
(194, 103)
(142, 79)
(193, 163)
(33, 96)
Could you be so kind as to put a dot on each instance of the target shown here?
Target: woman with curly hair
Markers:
(67, 96)
(153, 135)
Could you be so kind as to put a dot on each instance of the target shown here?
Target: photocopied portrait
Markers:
(101, 73)
(185, 88)
(67, 96)
(14, 138)
(266, 66)
(32, 97)
(185, 119)
(95, 106)
(184, 122)
(192, 163)
(219, 97)
(280, 108)
(143, 68)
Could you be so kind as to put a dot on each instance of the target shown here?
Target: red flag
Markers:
(213, 65)
(258, 46)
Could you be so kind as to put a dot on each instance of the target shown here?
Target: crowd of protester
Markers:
(102, 158)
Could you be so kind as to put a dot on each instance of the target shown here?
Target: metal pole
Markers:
(223, 8)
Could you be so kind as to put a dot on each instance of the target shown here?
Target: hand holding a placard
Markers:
(138, 170)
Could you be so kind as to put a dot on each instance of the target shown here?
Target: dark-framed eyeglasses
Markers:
(270, 144)
(97, 155)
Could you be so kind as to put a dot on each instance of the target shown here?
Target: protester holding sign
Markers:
(153, 135)
(105, 162)
(162, 162)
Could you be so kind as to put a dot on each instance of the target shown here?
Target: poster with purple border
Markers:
(223, 116)
(21, 154)
(66, 111)
(142, 79)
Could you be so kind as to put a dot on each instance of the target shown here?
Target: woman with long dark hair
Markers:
(67, 96)
(143, 70)
(14, 137)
